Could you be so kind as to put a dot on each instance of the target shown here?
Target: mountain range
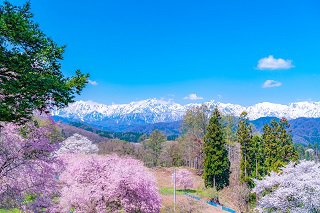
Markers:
(152, 111)
(146, 115)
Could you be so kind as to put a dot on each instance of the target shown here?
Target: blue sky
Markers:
(135, 50)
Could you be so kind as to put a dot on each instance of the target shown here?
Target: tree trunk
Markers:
(245, 166)
(256, 168)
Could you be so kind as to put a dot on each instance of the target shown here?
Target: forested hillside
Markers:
(304, 130)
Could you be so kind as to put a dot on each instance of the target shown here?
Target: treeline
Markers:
(261, 154)
(156, 150)
(124, 136)
(225, 150)
(308, 152)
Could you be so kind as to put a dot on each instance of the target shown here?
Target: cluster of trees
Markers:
(27, 168)
(308, 152)
(295, 189)
(30, 81)
(270, 165)
(262, 154)
(38, 173)
(156, 150)
(124, 136)
(224, 149)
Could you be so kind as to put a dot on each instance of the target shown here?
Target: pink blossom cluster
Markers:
(184, 179)
(93, 183)
(27, 167)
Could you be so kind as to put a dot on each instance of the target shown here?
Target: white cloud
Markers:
(193, 96)
(271, 63)
(271, 83)
(94, 83)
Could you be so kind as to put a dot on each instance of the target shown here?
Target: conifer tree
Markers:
(288, 152)
(216, 163)
(244, 136)
(257, 158)
(269, 148)
(278, 145)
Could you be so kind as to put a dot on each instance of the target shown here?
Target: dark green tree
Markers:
(278, 146)
(244, 136)
(288, 152)
(256, 156)
(269, 148)
(30, 69)
(216, 162)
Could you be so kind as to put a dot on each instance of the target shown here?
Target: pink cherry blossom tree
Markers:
(27, 168)
(184, 179)
(93, 183)
(295, 189)
(77, 144)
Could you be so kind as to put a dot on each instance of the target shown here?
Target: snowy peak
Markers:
(155, 111)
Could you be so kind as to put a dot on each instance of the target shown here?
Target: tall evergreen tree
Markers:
(256, 157)
(269, 148)
(216, 163)
(244, 136)
(278, 145)
(288, 152)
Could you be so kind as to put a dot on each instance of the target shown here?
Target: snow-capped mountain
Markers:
(155, 111)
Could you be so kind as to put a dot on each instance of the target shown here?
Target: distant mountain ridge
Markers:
(146, 115)
(304, 130)
(152, 111)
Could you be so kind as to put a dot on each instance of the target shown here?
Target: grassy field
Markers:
(9, 211)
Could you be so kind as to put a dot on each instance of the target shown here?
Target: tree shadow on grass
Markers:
(185, 191)
(170, 191)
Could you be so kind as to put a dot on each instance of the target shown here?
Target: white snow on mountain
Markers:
(154, 110)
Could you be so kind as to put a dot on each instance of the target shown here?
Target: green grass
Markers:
(9, 211)
(169, 191)
(202, 193)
